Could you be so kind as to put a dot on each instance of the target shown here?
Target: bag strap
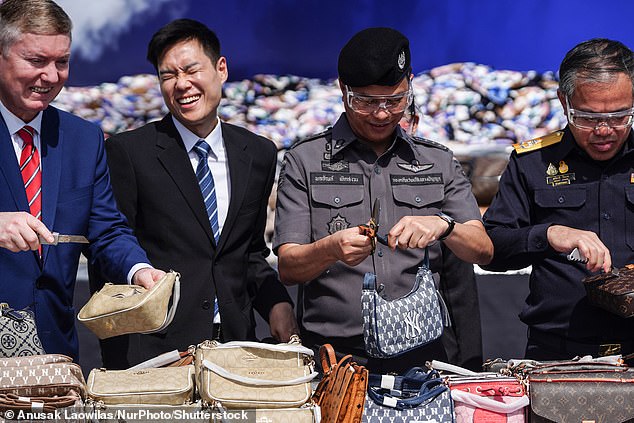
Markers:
(293, 348)
(428, 390)
(411, 381)
(441, 365)
(253, 381)
(489, 404)
(327, 357)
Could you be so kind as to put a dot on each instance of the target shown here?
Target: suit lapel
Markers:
(239, 171)
(175, 160)
(10, 170)
(51, 140)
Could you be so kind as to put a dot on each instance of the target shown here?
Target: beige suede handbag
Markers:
(253, 375)
(121, 309)
(155, 386)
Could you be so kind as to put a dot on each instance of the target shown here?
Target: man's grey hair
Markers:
(598, 60)
(40, 17)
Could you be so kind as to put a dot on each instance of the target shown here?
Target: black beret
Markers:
(375, 56)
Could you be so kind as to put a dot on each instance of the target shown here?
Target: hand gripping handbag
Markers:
(341, 392)
(247, 375)
(417, 396)
(484, 397)
(612, 291)
(393, 327)
(121, 309)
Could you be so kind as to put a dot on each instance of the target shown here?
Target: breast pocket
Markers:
(629, 216)
(333, 208)
(559, 205)
(409, 199)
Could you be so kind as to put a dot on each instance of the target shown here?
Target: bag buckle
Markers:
(609, 349)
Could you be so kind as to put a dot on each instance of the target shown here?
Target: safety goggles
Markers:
(589, 120)
(368, 104)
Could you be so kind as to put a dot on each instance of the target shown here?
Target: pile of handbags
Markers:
(274, 383)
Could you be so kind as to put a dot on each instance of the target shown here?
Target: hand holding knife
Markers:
(577, 256)
(63, 239)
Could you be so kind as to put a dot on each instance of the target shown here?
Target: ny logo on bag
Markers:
(413, 327)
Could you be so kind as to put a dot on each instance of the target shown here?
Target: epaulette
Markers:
(430, 143)
(537, 143)
(312, 137)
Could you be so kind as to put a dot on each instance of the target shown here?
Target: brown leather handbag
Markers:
(613, 291)
(341, 392)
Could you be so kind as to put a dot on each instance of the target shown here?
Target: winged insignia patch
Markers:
(415, 167)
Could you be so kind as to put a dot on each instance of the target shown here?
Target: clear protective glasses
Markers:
(592, 121)
(368, 104)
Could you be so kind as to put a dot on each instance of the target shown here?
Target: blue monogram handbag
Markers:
(393, 327)
(417, 396)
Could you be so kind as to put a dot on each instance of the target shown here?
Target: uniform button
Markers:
(380, 253)
(606, 216)
(337, 200)
(417, 199)
(561, 199)
(377, 170)
(206, 305)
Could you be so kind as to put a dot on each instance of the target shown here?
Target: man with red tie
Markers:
(53, 178)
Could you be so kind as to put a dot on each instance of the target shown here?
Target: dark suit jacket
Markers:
(157, 189)
(76, 199)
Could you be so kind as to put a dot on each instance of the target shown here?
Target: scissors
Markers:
(59, 239)
(371, 229)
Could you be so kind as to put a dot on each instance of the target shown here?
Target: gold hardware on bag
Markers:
(609, 349)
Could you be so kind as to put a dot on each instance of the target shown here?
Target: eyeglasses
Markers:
(589, 120)
(367, 104)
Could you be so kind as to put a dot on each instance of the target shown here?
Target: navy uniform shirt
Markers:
(329, 183)
(551, 181)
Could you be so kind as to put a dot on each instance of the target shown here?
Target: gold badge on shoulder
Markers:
(558, 175)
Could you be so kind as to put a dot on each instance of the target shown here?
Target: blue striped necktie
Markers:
(208, 189)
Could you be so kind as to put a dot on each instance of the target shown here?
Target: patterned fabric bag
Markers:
(417, 396)
(18, 334)
(612, 291)
(393, 327)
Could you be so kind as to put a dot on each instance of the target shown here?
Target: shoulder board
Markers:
(537, 143)
(430, 143)
(312, 137)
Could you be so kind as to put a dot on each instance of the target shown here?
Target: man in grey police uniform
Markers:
(328, 185)
(573, 189)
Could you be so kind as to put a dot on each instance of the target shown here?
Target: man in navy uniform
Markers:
(573, 189)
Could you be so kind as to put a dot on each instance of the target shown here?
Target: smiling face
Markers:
(375, 128)
(613, 95)
(192, 85)
(33, 70)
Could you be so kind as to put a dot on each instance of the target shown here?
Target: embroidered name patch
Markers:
(429, 179)
(322, 178)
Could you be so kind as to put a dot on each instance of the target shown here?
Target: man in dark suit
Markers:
(66, 190)
(214, 238)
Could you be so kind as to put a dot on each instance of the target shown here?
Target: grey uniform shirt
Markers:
(329, 182)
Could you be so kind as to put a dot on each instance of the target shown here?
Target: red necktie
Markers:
(30, 169)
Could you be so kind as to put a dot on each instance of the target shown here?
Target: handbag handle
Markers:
(271, 347)
(253, 381)
(428, 390)
(409, 382)
(489, 404)
(327, 357)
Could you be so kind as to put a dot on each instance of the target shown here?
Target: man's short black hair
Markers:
(183, 30)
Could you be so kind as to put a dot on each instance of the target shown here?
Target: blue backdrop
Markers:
(304, 37)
